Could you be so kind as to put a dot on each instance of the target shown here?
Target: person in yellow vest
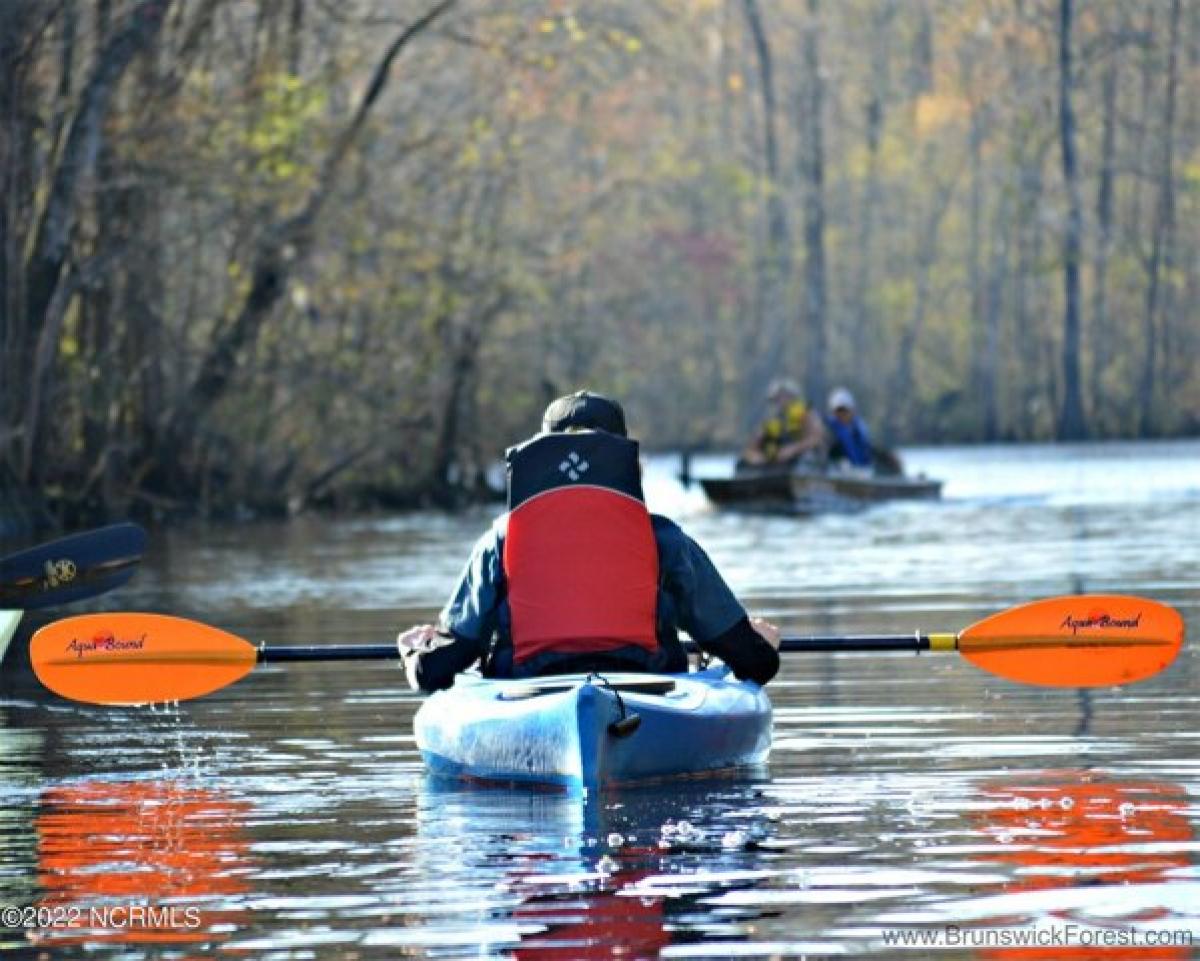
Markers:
(790, 431)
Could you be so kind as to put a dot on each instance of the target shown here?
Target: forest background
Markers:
(276, 254)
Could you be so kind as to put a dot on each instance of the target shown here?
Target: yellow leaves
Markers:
(570, 26)
(1191, 175)
(68, 345)
(735, 82)
(269, 134)
(739, 180)
(937, 110)
(574, 31)
(670, 163)
(894, 297)
(483, 146)
(470, 155)
(621, 40)
(289, 108)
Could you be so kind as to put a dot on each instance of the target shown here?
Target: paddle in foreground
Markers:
(71, 568)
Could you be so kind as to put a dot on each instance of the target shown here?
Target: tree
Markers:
(1071, 424)
(816, 295)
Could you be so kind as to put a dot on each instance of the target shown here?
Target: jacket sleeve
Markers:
(436, 669)
(747, 652)
(705, 607)
(470, 616)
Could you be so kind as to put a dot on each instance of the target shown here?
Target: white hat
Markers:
(783, 385)
(840, 397)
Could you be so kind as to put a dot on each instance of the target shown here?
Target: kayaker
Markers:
(849, 439)
(578, 576)
(790, 431)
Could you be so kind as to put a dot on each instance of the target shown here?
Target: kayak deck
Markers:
(592, 731)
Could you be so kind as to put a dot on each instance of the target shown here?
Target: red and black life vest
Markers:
(580, 557)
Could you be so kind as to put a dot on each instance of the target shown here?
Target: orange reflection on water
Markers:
(1078, 830)
(593, 924)
(139, 862)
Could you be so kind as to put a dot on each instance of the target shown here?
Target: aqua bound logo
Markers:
(105, 644)
(59, 572)
(1100, 620)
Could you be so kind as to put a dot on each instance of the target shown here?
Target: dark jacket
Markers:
(692, 596)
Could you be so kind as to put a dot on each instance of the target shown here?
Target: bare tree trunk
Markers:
(1163, 239)
(975, 250)
(51, 246)
(17, 127)
(1101, 334)
(296, 37)
(283, 246)
(79, 153)
(989, 362)
(1071, 424)
(66, 68)
(813, 170)
(463, 344)
(774, 262)
(897, 417)
(463, 366)
(920, 73)
(864, 332)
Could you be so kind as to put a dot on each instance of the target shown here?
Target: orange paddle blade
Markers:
(1087, 640)
(137, 658)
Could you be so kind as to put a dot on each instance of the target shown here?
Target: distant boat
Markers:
(809, 490)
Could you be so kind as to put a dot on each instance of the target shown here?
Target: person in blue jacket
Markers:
(577, 576)
(849, 439)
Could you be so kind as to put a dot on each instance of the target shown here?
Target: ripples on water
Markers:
(289, 813)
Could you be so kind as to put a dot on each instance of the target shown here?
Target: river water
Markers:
(288, 816)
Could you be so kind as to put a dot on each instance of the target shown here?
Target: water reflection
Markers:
(552, 876)
(1078, 851)
(1081, 830)
(902, 791)
(147, 862)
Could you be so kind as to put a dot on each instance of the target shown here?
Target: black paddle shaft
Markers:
(332, 652)
(365, 652)
(860, 642)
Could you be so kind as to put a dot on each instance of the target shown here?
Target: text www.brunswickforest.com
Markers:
(1043, 936)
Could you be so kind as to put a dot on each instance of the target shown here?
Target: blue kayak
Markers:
(595, 731)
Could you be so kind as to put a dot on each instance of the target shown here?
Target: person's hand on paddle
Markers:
(769, 632)
(416, 641)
